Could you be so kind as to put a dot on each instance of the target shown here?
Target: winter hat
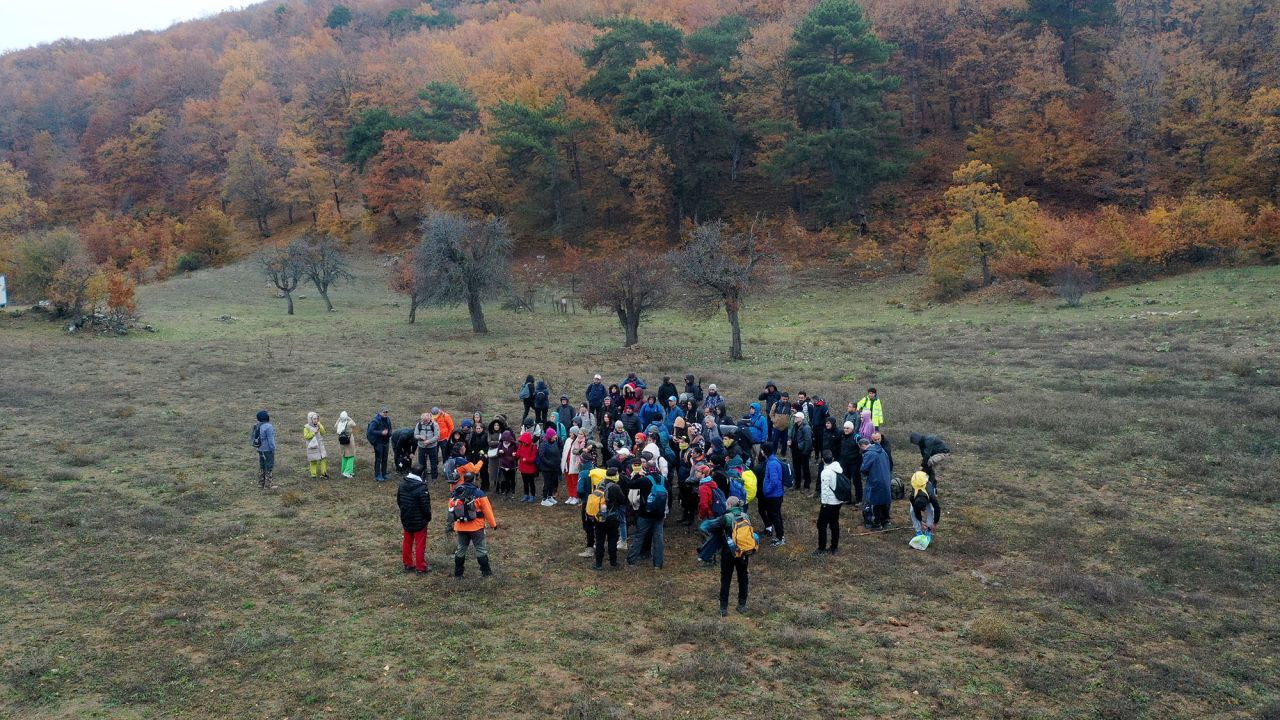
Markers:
(467, 423)
(528, 422)
(733, 501)
(383, 409)
(263, 416)
(550, 434)
(564, 397)
(919, 482)
(435, 411)
(915, 436)
(641, 437)
(712, 386)
(413, 477)
(574, 430)
(689, 377)
(618, 426)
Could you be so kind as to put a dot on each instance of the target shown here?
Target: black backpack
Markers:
(462, 505)
(844, 488)
(256, 436)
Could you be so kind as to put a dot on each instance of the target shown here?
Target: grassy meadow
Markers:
(1108, 546)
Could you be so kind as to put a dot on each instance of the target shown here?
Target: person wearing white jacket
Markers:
(829, 510)
(571, 461)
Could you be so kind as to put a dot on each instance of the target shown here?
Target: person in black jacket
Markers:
(693, 389)
(818, 415)
(379, 436)
(403, 446)
(666, 389)
(831, 437)
(548, 462)
(933, 452)
(851, 457)
(648, 523)
(541, 402)
(415, 513)
(607, 529)
(801, 450)
(526, 396)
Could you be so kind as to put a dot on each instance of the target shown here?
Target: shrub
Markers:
(82, 457)
(993, 631)
(64, 476)
(291, 498)
(187, 262)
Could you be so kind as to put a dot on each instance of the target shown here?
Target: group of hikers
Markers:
(626, 456)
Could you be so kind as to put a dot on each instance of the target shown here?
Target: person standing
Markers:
(527, 461)
(548, 461)
(650, 487)
(693, 389)
(609, 499)
(733, 561)
(526, 396)
(666, 389)
(829, 505)
(427, 434)
(871, 402)
(817, 415)
(317, 455)
(346, 441)
(571, 461)
(444, 421)
(470, 510)
(541, 403)
(875, 465)
(263, 439)
(415, 512)
(378, 433)
(771, 496)
(801, 449)
(595, 396)
(850, 457)
(714, 403)
(587, 421)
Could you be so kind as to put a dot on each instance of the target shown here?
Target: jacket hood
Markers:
(755, 406)
(528, 378)
(508, 436)
(263, 416)
(916, 437)
(496, 426)
(526, 437)
(771, 384)
(542, 384)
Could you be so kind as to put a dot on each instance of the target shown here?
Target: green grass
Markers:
(1108, 545)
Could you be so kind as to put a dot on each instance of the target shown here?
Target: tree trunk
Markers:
(413, 309)
(477, 314)
(289, 210)
(735, 328)
(289, 297)
(986, 270)
(328, 306)
(632, 329)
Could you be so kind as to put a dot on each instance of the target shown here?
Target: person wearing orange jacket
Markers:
(471, 512)
(444, 420)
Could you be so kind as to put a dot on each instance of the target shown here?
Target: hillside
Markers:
(1107, 545)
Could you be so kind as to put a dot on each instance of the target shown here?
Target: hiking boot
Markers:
(742, 608)
(819, 552)
(424, 572)
(457, 567)
(833, 551)
(589, 552)
(485, 570)
(724, 611)
(597, 568)
(408, 568)
(779, 542)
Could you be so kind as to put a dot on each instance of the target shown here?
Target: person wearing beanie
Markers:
(317, 455)
(875, 466)
(619, 438)
(729, 562)
(428, 434)
(527, 456)
(714, 403)
(343, 429)
(595, 396)
(564, 415)
(471, 512)
(415, 512)
(548, 461)
(606, 529)
(693, 389)
(925, 510)
(630, 421)
(263, 439)
(571, 461)
(828, 505)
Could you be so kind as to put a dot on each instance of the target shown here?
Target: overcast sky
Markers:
(24, 23)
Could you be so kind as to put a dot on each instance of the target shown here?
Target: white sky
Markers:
(24, 23)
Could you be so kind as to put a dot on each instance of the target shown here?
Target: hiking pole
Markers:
(877, 532)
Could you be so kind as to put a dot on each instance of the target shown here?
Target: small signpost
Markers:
(4, 292)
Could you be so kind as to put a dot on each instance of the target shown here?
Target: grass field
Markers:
(1108, 547)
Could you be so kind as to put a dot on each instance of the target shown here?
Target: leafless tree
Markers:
(323, 263)
(631, 283)
(459, 260)
(282, 266)
(722, 267)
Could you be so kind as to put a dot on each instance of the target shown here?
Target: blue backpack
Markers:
(738, 490)
(719, 504)
(657, 500)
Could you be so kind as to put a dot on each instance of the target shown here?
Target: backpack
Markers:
(718, 502)
(540, 397)
(597, 502)
(787, 481)
(742, 538)
(896, 489)
(844, 488)
(750, 483)
(525, 391)
(657, 500)
(737, 489)
(462, 506)
(255, 437)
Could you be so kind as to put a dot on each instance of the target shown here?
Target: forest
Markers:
(1056, 141)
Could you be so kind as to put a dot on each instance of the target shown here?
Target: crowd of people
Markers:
(627, 457)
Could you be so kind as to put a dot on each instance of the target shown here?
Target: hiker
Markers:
(651, 412)
(829, 505)
(866, 426)
(548, 461)
(882, 440)
(714, 403)
(672, 413)
(635, 381)
(571, 460)
(415, 512)
(630, 422)
(345, 441)
(589, 478)
(801, 449)
(875, 465)
(541, 402)
(757, 425)
(666, 389)
(933, 452)
(403, 448)
(925, 511)
(831, 436)
(586, 420)
(817, 417)
(650, 487)
(471, 512)
(478, 447)
(527, 461)
(769, 397)
(740, 542)
(378, 433)
(526, 396)
(771, 495)
(507, 462)
(427, 435)
(601, 507)
(618, 438)
(444, 421)
(457, 457)
(871, 402)
(851, 457)
(317, 456)
(564, 416)
(853, 415)
(595, 395)
(693, 389)
(614, 396)
(780, 417)
(263, 439)
(711, 505)
(632, 397)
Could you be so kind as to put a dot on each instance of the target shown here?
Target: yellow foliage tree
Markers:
(981, 228)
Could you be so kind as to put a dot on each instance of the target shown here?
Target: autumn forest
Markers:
(973, 140)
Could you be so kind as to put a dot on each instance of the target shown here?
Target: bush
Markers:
(993, 632)
(187, 262)
(1073, 282)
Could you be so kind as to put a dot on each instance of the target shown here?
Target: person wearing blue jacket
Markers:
(379, 436)
(875, 465)
(264, 441)
(673, 412)
(651, 412)
(595, 396)
(771, 493)
(634, 380)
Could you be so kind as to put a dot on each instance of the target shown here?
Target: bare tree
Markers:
(460, 259)
(721, 266)
(630, 282)
(323, 263)
(282, 266)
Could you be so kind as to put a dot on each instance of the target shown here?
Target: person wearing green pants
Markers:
(345, 440)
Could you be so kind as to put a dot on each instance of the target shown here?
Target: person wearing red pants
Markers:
(415, 512)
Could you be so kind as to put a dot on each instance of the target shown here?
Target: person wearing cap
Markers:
(378, 433)
(850, 457)
(428, 433)
(666, 389)
(471, 532)
(415, 513)
(595, 395)
(670, 415)
(771, 495)
(548, 461)
(801, 449)
(693, 389)
(571, 461)
(828, 505)
(714, 403)
(607, 530)
(265, 434)
(729, 563)
(875, 466)
(871, 401)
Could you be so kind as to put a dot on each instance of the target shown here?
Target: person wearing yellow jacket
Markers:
(317, 456)
(871, 401)
(471, 512)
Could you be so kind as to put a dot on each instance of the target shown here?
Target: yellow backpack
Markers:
(749, 484)
(743, 540)
(597, 504)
